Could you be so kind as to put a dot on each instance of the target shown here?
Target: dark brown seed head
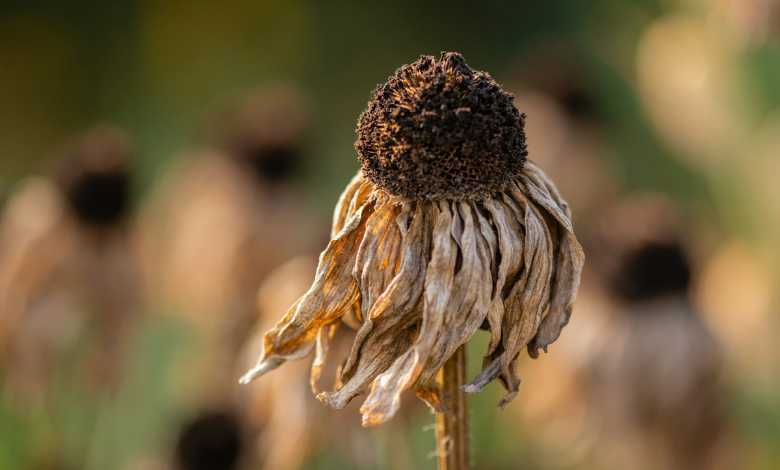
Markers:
(265, 131)
(95, 177)
(213, 441)
(653, 270)
(440, 130)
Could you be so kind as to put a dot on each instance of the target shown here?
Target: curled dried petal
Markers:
(467, 306)
(569, 262)
(321, 354)
(385, 396)
(341, 213)
(334, 290)
(392, 321)
(418, 278)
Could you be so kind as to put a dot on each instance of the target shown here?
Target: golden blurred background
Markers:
(168, 171)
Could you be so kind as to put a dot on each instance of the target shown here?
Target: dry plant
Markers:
(446, 228)
(68, 274)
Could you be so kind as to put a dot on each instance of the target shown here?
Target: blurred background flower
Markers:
(122, 337)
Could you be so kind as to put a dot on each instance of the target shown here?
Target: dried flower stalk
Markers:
(452, 428)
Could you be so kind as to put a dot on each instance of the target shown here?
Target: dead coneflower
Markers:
(654, 386)
(68, 274)
(446, 227)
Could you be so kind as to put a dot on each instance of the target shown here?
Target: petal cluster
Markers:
(418, 278)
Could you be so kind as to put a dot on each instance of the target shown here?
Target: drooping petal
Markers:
(390, 326)
(405, 289)
(569, 259)
(364, 192)
(334, 290)
(528, 294)
(378, 255)
(321, 354)
(376, 354)
(467, 305)
(384, 399)
(341, 213)
(511, 381)
(489, 233)
(526, 303)
(536, 174)
(511, 240)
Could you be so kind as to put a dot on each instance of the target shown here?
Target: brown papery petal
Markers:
(511, 381)
(321, 354)
(378, 254)
(532, 171)
(511, 240)
(528, 295)
(511, 246)
(334, 290)
(391, 324)
(467, 306)
(341, 213)
(525, 309)
(569, 261)
(377, 354)
(384, 399)
(364, 192)
(405, 290)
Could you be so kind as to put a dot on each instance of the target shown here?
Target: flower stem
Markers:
(452, 428)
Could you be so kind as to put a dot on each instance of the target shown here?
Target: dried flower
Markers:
(446, 227)
(654, 385)
(67, 266)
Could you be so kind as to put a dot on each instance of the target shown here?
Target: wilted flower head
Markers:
(447, 227)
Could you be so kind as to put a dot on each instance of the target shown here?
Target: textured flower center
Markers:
(440, 130)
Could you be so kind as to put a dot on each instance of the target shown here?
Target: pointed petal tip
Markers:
(374, 419)
(334, 400)
(533, 350)
(326, 399)
(377, 412)
(260, 369)
(471, 389)
(248, 377)
(508, 398)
